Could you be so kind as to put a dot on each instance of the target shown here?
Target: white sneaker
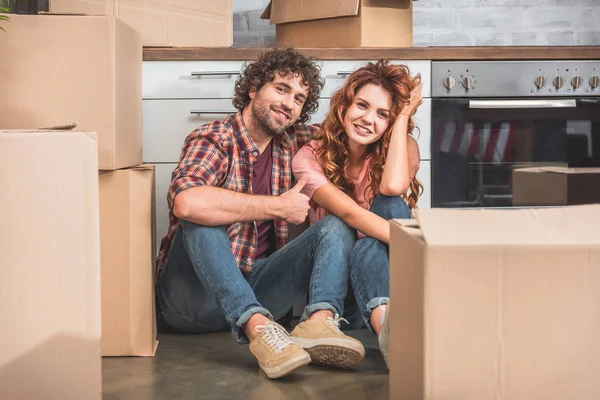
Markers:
(384, 335)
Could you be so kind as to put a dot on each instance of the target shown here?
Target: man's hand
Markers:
(294, 204)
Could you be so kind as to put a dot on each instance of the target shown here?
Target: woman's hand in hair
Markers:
(416, 99)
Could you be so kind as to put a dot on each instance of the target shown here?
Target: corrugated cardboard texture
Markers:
(88, 70)
(499, 317)
(555, 186)
(50, 266)
(126, 209)
(342, 23)
(166, 23)
(127, 256)
(307, 10)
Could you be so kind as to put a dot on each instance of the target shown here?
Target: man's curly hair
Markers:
(285, 61)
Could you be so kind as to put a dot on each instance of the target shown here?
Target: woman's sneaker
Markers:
(384, 335)
(277, 356)
(326, 344)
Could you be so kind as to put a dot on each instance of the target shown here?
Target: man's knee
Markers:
(390, 207)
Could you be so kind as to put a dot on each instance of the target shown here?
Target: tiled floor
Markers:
(215, 367)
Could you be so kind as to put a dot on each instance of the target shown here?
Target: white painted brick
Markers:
(434, 19)
(491, 39)
(256, 24)
(566, 38)
(524, 39)
(529, 3)
(452, 39)
(490, 18)
(240, 22)
(559, 18)
(422, 40)
(560, 2)
(591, 38)
(245, 5)
(253, 40)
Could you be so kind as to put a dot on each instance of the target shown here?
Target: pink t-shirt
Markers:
(305, 165)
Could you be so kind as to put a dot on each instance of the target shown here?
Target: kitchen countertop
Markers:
(410, 53)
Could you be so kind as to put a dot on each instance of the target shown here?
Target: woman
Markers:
(361, 167)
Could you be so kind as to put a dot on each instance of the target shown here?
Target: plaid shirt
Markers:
(221, 154)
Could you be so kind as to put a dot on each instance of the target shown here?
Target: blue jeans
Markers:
(201, 288)
(370, 266)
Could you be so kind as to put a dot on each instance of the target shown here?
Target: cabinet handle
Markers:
(344, 72)
(227, 112)
(215, 73)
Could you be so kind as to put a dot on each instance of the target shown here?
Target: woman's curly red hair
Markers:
(332, 153)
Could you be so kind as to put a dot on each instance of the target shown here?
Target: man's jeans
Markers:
(201, 289)
(370, 266)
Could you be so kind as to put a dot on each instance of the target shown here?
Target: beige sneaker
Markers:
(326, 344)
(276, 354)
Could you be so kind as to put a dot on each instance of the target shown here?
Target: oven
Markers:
(492, 117)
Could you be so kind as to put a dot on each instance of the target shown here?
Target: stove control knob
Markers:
(540, 81)
(558, 82)
(576, 82)
(594, 82)
(467, 82)
(449, 82)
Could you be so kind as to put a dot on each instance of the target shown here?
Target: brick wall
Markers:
(464, 23)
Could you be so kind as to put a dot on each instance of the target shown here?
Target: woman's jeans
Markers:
(370, 266)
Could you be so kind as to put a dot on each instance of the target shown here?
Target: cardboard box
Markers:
(50, 266)
(555, 186)
(62, 69)
(202, 23)
(127, 257)
(341, 23)
(495, 304)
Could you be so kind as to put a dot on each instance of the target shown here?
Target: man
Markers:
(224, 262)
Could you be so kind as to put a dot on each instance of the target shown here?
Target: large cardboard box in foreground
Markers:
(495, 304)
(127, 257)
(49, 266)
(202, 23)
(341, 23)
(60, 69)
(555, 186)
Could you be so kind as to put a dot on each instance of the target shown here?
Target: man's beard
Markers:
(264, 121)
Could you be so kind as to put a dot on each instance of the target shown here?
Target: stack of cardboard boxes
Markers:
(76, 239)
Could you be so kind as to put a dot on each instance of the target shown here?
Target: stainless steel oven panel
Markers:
(515, 78)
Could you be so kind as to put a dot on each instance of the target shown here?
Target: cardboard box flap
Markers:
(282, 11)
(517, 227)
(561, 170)
(144, 167)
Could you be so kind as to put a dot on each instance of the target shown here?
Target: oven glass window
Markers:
(478, 145)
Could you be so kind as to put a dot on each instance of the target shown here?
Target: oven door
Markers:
(478, 143)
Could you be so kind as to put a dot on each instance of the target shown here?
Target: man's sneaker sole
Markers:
(286, 368)
(338, 352)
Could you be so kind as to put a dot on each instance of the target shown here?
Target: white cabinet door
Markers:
(166, 124)
(422, 119)
(424, 176)
(189, 79)
(161, 188)
(335, 72)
